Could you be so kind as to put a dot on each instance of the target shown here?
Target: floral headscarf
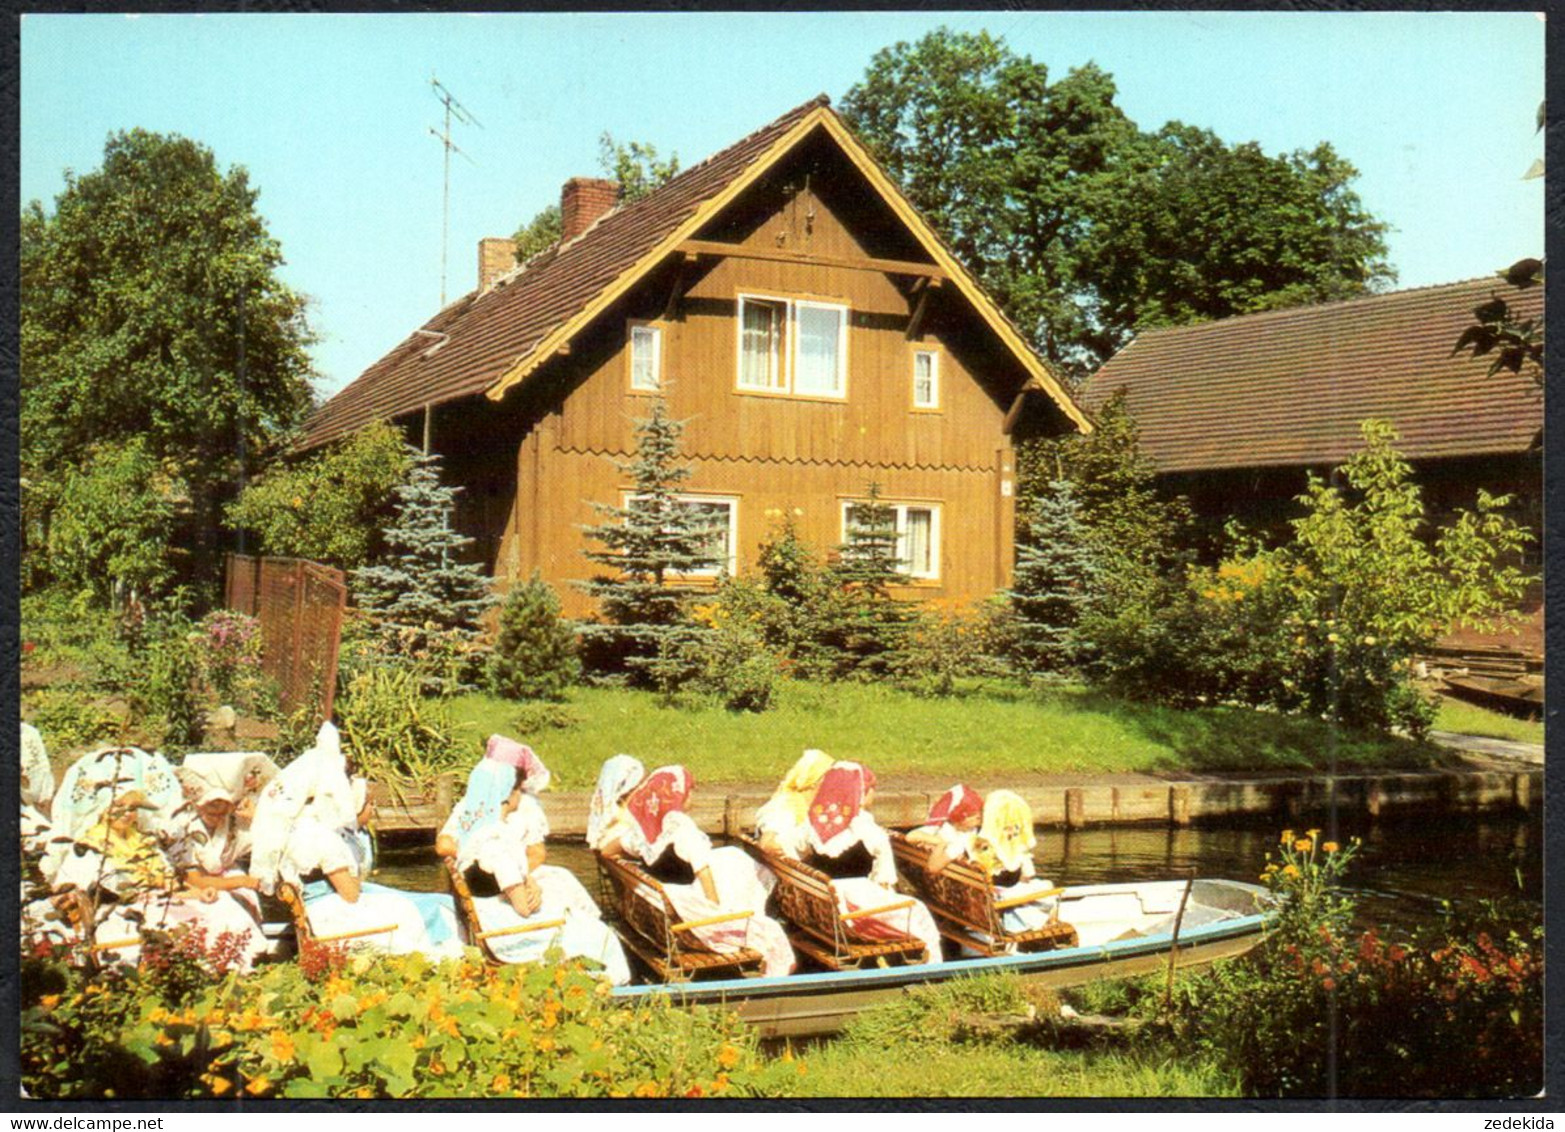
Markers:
(617, 778)
(37, 775)
(666, 790)
(1007, 829)
(94, 781)
(956, 804)
(838, 800)
(315, 785)
(535, 776)
(792, 797)
(489, 784)
(229, 775)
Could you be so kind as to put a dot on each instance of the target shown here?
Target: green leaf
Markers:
(324, 1061)
(306, 1087)
(344, 1006)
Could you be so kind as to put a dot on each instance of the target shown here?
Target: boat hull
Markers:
(808, 1005)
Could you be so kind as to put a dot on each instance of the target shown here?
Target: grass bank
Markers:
(997, 730)
(1470, 719)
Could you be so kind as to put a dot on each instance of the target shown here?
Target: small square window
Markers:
(646, 357)
(926, 379)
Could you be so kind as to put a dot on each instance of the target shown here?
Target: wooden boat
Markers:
(1123, 930)
(1515, 695)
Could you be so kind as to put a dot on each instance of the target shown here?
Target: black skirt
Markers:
(854, 861)
(671, 868)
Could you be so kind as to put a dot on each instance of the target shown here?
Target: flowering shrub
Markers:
(178, 963)
(387, 1028)
(1316, 1011)
(947, 642)
(228, 648)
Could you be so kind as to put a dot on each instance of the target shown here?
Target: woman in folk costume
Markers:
(307, 833)
(845, 842)
(496, 834)
(951, 827)
(781, 824)
(93, 782)
(700, 881)
(1004, 845)
(212, 843)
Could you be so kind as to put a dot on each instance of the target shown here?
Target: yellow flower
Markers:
(1291, 871)
(258, 1085)
(1302, 844)
(501, 1082)
(728, 1056)
(221, 1085)
(1331, 846)
(1313, 833)
(1333, 638)
(646, 1089)
(282, 1045)
(50, 1001)
(1287, 836)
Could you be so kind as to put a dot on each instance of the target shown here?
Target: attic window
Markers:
(646, 357)
(793, 346)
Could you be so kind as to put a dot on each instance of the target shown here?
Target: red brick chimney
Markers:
(582, 201)
(496, 256)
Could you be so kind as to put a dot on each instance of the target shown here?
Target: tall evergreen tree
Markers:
(648, 544)
(871, 624)
(424, 601)
(1056, 576)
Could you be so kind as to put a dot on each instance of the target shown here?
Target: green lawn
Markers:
(1003, 729)
(1470, 719)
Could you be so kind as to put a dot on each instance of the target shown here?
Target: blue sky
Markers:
(331, 115)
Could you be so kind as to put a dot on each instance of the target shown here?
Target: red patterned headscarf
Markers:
(535, 776)
(838, 799)
(955, 805)
(665, 790)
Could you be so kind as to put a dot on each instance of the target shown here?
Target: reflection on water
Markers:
(1401, 873)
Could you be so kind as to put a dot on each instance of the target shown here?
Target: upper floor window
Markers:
(793, 346)
(918, 535)
(646, 357)
(926, 379)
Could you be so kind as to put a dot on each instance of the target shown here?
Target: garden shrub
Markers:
(228, 650)
(171, 694)
(393, 733)
(383, 1027)
(1316, 1011)
(330, 507)
(534, 657)
(72, 718)
(735, 664)
(545, 716)
(946, 643)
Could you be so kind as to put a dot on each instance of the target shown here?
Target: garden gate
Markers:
(300, 607)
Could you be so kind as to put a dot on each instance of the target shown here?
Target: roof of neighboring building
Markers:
(1290, 387)
(489, 340)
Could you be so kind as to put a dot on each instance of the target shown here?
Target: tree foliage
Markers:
(331, 506)
(111, 522)
(1516, 343)
(538, 234)
(535, 655)
(868, 626)
(141, 292)
(1056, 577)
(649, 544)
(1085, 227)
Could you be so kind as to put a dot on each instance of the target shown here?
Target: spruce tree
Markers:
(871, 623)
(1056, 577)
(648, 544)
(426, 605)
(535, 655)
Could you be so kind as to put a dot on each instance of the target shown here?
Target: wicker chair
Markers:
(808, 901)
(650, 928)
(467, 916)
(961, 899)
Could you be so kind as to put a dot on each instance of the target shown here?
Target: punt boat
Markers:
(1123, 930)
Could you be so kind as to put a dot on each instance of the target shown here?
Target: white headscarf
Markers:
(230, 775)
(619, 776)
(314, 786)
(489, 784)
(37, 775)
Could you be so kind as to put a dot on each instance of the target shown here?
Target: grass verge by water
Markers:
(1470, 719)
(998, 730)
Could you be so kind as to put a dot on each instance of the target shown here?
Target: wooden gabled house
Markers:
(790, 305)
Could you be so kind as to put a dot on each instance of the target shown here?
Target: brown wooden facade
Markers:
(533, 459)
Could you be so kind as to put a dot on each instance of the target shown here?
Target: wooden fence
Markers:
(300, 606)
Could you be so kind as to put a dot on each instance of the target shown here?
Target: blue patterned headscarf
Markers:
(489, 784)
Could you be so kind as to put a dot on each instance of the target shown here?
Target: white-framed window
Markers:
(926, 379)
(918, 536)
(646, 357)
(722, 513)
(793, 346)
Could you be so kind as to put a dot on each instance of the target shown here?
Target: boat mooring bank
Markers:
(1061, 802)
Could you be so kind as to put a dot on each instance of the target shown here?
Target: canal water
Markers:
(1402, 872)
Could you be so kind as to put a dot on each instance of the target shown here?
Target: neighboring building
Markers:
(791, 305)
(1236, 413)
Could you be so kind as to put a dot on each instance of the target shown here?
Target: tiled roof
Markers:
(1288, 388)
(475, 341)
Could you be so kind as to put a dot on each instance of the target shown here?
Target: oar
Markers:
(340, 936)
(521, 928)
(1173, 947)
(1016, 901)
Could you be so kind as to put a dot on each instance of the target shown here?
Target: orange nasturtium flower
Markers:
(258, 1085)
(728, 1056)
(282, 1045)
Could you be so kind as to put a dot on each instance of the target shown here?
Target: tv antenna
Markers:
(462, 114)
